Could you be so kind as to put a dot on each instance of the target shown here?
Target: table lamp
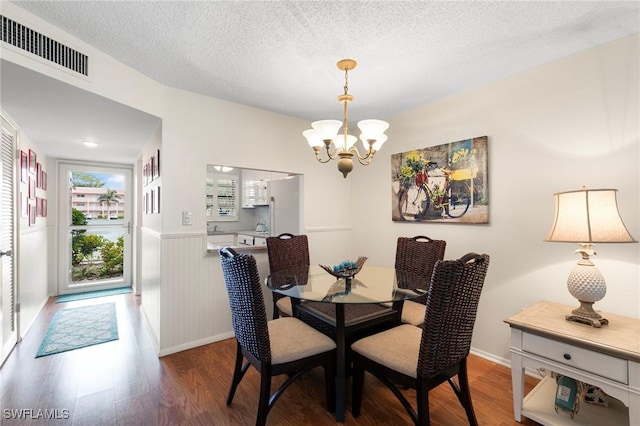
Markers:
(587, 216)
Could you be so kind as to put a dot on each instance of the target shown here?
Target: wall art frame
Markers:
(32, 188)
(445, 183)
(33, 159)
(24, 166)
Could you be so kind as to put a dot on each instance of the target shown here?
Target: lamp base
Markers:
(586, 315)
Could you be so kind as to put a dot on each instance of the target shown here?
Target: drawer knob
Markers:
(567, 356)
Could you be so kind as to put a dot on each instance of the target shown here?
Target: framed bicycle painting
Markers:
(443, 183)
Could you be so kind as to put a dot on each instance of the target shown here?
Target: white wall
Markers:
(554, 128)
(34, 264)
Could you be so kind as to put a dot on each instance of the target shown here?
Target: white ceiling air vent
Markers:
(33, 42)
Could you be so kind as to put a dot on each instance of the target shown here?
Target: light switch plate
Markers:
(187, 219)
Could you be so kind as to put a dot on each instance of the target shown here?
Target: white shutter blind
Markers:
(6, 225)
(227, 196)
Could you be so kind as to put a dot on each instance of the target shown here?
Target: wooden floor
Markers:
(124, 383)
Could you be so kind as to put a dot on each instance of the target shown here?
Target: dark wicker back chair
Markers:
(286, 251)
(417, 255)
(443, 344)
(282, 346)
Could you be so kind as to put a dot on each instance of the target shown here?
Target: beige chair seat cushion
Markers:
(292, 339)
(396, 348)
(284, 306)
(413, 313)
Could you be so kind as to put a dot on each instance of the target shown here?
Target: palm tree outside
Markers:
(109, 197)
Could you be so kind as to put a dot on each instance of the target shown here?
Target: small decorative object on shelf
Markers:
(346, 269)
(596, 396)
(567, 395)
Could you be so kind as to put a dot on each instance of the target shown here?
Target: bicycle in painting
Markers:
(441, 190)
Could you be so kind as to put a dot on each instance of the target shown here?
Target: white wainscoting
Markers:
(194, 305)
(195, 310)
(184, 298)
(150, 284)
(32, 262)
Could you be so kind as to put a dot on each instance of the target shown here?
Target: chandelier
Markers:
(341, 146)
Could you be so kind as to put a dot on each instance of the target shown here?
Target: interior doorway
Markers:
(95, 227)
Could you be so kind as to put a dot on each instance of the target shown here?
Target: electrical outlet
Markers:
(187, 219)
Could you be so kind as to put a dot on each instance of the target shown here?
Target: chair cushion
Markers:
(284, 306)
(413, 313)
(292, 339)
(396, 348)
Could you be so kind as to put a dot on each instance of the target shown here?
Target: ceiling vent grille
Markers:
(33, 42)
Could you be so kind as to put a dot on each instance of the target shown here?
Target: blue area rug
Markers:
(91, 294)
(77, 328)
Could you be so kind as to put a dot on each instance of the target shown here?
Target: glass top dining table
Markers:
(373, 284)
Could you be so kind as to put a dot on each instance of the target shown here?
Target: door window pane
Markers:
(97, 232)
(96, 254)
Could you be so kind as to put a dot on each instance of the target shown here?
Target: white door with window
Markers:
(96, 207)
(8, 314)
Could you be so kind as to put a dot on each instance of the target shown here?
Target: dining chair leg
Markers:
(357, 384)
(422, 396)
(464, 394)
(237, 374)
(265, 393)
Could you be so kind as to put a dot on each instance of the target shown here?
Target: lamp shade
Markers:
(343, 142)
(373, 127)
(313, 137)
(327, 129)
(588, 216)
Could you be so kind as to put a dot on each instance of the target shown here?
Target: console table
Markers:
(607, 357)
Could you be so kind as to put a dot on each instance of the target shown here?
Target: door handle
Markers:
(5, 253)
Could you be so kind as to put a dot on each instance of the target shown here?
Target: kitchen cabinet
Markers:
(255, 187)
(245, 239)
(221, 240)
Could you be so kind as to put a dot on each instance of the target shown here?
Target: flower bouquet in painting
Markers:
(346, 269)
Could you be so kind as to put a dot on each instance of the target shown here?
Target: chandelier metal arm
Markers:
(366, 159)
(331, 155)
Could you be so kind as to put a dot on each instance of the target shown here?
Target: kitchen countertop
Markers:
(264, 234)
(250, 232)
(212, 248)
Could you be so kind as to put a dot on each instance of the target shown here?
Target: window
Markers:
(222, 197)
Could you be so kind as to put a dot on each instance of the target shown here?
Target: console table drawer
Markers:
(584, 359)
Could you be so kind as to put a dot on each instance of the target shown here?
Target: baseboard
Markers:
(152, 336)
(505, 362)
(196, 343)
(25, 330)
(491, 357)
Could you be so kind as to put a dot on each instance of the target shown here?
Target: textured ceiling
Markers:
(281, 55)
